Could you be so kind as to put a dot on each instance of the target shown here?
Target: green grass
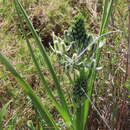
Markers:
(19, 54)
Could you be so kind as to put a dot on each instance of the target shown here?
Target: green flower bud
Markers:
(80, 89)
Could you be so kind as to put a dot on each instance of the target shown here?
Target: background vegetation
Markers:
(110, 94)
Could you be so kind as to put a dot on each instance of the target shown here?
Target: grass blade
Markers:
(28, 90)
(105, 19)
(44, 54)
(57, 105)
(3, 112)
(106, 13)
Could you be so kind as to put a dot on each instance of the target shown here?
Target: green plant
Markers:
(3, 112)
(87, 73)
(80, 83)
(77, 34)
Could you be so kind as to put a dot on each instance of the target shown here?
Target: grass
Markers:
(110, 80)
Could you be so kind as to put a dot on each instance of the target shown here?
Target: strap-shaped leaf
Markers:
(62, 110)
(3, 112)
(28, 90)
(45, 56)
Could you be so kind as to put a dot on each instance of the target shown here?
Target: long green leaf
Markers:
(106, 14)
(105, 18)
(105, 4)
(61, 110)
(79, 118)
(44, 54)
(28, 90)
(57, 105)
(3, 112)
